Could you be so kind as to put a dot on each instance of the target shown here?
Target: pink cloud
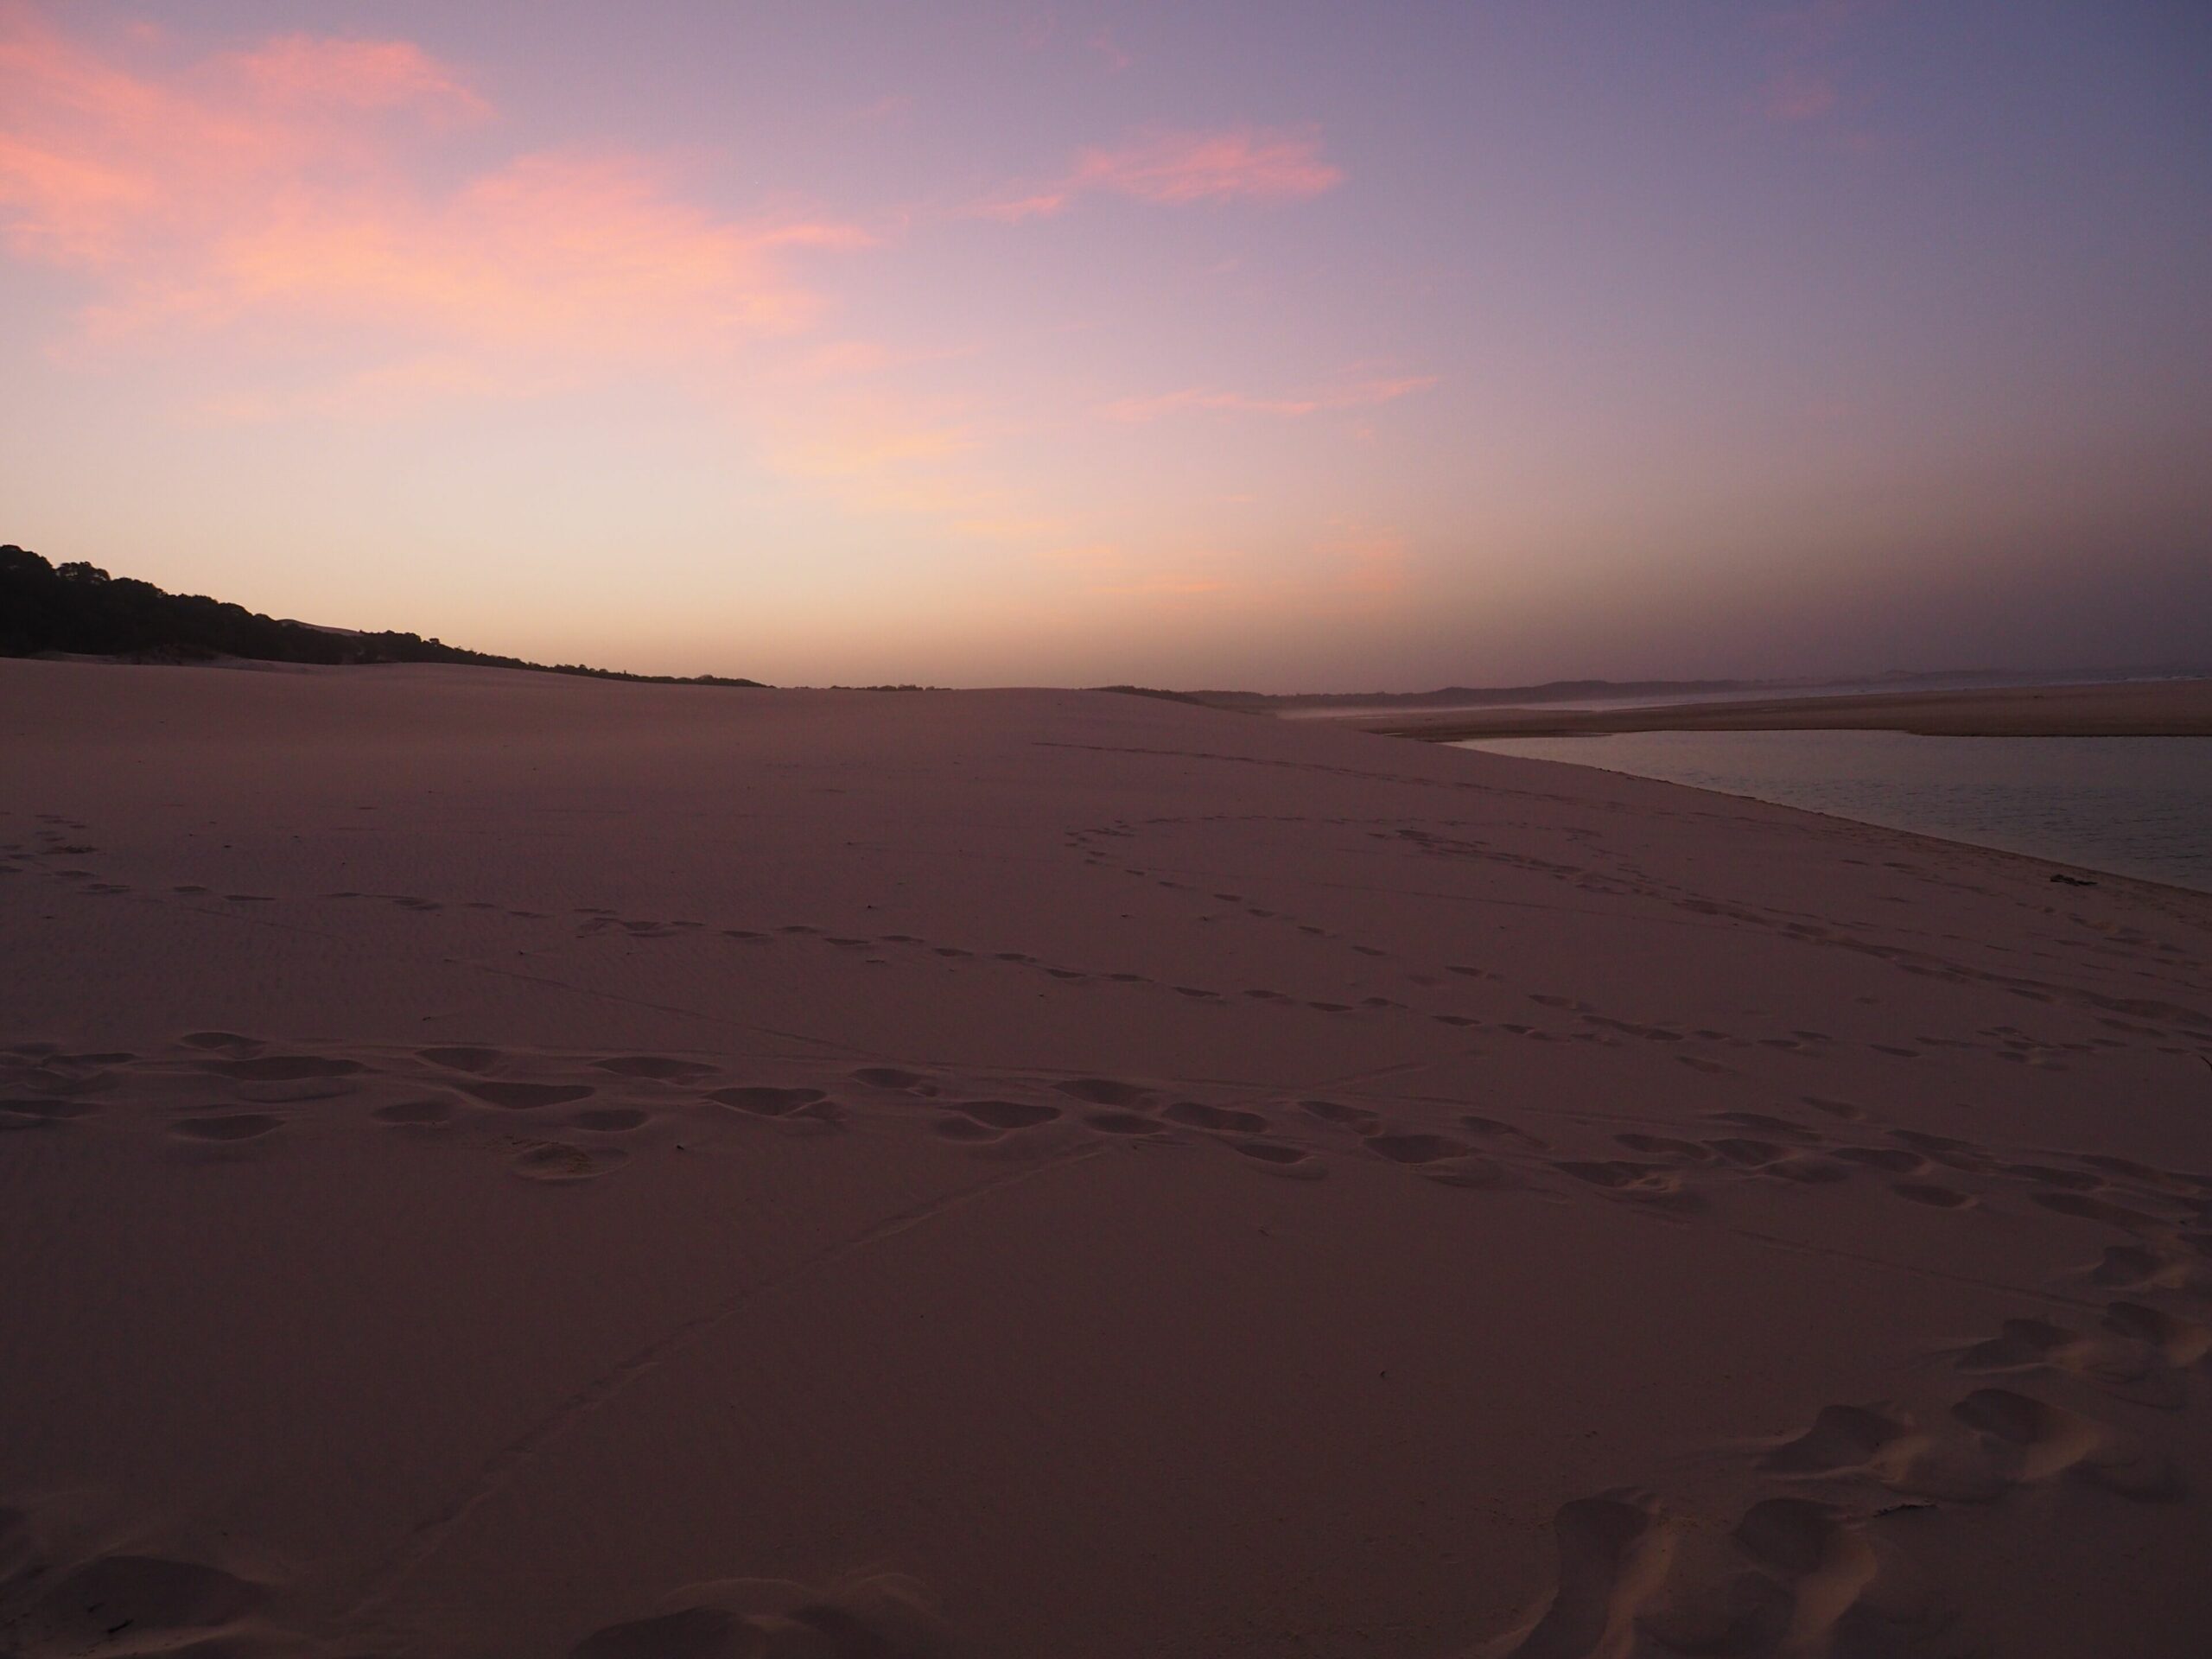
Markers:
(892, 106)
(1180, 168)
(1361, 395)
(1799, 95)
(300, 70)
(1107, 47)
(273, 196)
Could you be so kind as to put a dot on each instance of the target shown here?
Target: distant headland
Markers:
(79, 609)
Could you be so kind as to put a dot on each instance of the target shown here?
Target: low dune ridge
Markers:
(495, 1164)
(2175, 708)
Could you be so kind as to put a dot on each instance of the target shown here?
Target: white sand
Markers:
(1422, 1203)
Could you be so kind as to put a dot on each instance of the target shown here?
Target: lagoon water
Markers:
(2138, 806)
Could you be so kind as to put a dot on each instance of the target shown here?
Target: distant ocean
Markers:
(2138, 806)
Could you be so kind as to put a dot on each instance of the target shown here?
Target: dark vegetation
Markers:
(80, 609)
(1199, 698)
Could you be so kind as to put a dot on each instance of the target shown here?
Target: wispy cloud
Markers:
(1107, 47)
(1177, 168)
(1808, 88)
(1360, 395)
(285, 195)
(301, 72)
(1799, 95)
(892, 106)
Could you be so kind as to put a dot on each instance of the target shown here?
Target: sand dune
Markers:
(504, 1166)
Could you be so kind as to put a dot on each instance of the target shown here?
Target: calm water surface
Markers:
(2138, 806)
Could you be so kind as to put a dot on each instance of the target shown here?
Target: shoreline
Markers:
(2158, 708)
(2053, 866)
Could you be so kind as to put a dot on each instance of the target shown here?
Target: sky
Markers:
(1277, 345)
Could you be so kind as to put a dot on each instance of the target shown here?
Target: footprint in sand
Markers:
(462, 1057)
(228, 1127)
(612, 1119)
(895, 1078)
(1932, 1194)
(1763, 1124)
(39, 1113)
(1356, 1119)
(2065, 1180)
(879, 1617)
(1897, 1160)
(2023, 1345)
(163, 1605)
(2083, 1207)
(1795, 1537)
(1806, 1170)
(693, 1633)
(2177, 1341)
(419, 1113)
(1279, 1159)
(2132, 1266)
(527, 1097)
(1222, 1120)
(285, 1068)
(1008, 1114)
(1416, 1149)
(1639, 1183)
(1105, 1091)
(656, 1068)
(765, 1102)
(1814, 1589)
(1846, 1439)
(1497, 1129)
(557, 1160)
(1124, 1123)
(1952, 1154)
(1836, 1108)
(2127, 1169)
(1613, 1551)
(2031, 1439)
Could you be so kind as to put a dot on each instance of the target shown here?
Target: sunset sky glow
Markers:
(1285, 346)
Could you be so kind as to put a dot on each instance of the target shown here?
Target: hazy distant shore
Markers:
(2156, 709)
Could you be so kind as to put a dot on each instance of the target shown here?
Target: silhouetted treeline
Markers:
(1198, 698)
(82, 609)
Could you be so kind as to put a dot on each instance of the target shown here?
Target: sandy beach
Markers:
(512, 1166)
(2147, 708)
